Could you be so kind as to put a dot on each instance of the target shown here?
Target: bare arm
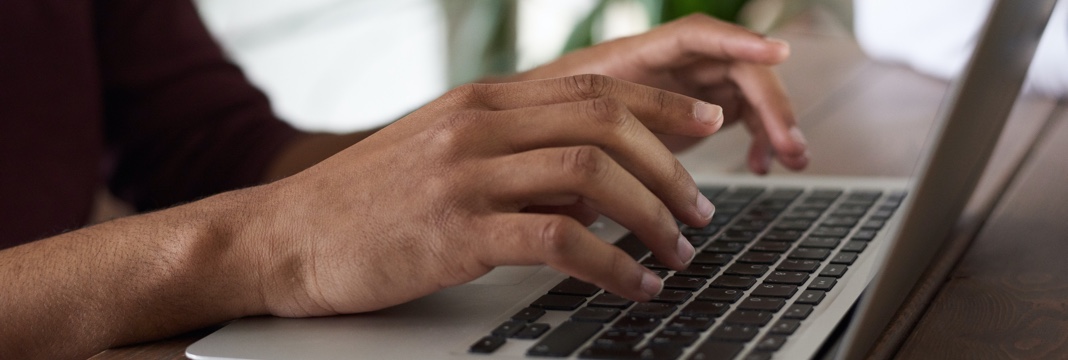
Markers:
(128, 280)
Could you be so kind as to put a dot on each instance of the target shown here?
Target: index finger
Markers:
(660, 111)
(700, 36)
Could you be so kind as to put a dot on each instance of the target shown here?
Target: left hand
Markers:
(707, 59)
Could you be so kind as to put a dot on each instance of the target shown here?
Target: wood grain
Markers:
(1008, 297)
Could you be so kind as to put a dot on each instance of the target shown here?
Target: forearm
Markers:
(309, 150)
(129, 280)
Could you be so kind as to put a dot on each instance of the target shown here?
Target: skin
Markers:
(487, 175)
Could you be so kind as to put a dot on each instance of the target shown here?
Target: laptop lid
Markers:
(959, 148)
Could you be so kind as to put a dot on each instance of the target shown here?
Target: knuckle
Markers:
(587, 163)
(608, 111)
(589, 86)
(557, 235)
(449, 131)
(470, 94)
(463, 93)
(679, 175)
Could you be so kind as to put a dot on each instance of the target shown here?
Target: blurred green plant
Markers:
(659, 11)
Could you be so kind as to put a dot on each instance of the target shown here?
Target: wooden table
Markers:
(1000, 288)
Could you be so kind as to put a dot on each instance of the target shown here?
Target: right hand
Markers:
(481, 178)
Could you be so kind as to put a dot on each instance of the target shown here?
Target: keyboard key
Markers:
(720, 295)
(873, 224)
(834, 270)
(794, 224)
(717, 350)
(509, 328)
(711, 191)
(642, 324)
(734, 332)
(748, 317)
(742, 232)
(487, 345)
(775, 290)
(825, 194)
(653, 352)
(864, 235)
(699, 270)
(596, 314)
(811, 297)
(705, 309)
(771, 246)
(759, 258)
(653, 263)
(721, 247)
(559, 302)
(654, 310)
(803, 253)
(712, 259)
(840, 220)
(631, 245)
(698, 240)
(746, 269)
(830, 231)
(565, 339)
(803, 214)
(672, 296)
(816, 203)
(709, 229)
(618, 338)
(782, 235)
(532, 331)
(685, 283)
(734, 282)
(823, 283)
(679, 338)
(798, 265)
(820, 242)
(690, 323)
(528, 314)
(881, 214)
(758, 356)
(785, 326)
(610, 300)
(786, 277)
(771, 343)
(846, 258)
(798, 311)
(762, 304)
(573, 286)
(854, 246)
(785, 193)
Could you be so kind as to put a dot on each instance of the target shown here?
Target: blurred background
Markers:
(345, 65)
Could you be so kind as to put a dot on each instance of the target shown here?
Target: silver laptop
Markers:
(779, 268)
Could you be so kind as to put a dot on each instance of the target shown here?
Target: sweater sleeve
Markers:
(182, 121)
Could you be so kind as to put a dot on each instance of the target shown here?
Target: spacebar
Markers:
(565, 339)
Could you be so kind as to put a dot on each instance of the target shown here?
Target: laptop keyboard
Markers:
(766, 260)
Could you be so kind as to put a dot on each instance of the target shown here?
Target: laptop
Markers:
(778, 270)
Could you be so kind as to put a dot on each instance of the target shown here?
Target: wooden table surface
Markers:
(1000, 288)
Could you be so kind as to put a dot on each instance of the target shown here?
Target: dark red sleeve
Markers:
(183, 122)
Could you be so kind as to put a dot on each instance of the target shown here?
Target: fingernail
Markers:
(704, 207)
(651, 284)
(799, 137)
(785, 46)
(685, 250)
(708, 113)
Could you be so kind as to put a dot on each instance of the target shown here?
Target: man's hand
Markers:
(710, 60)
(462, 185)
